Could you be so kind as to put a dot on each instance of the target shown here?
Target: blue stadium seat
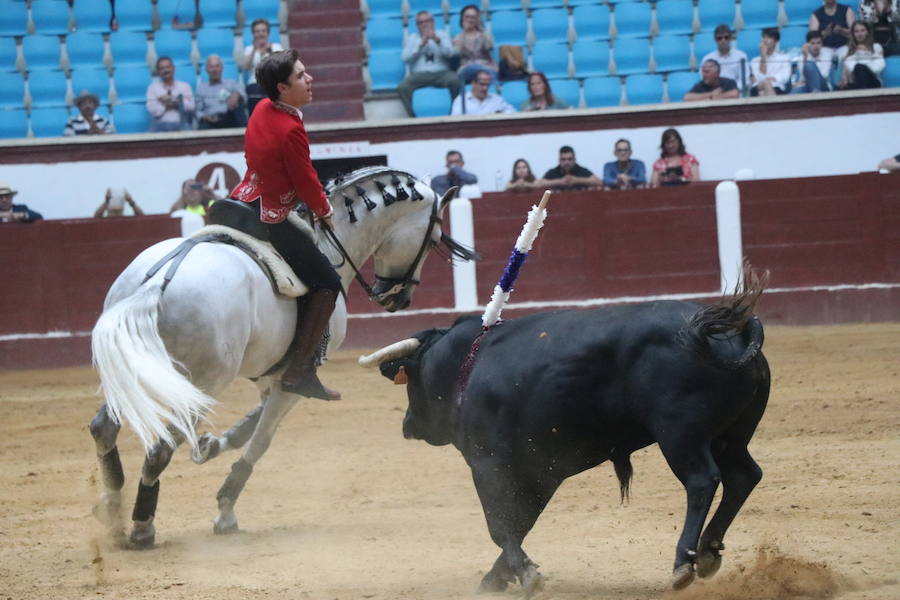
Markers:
(632, 55)
(48, 121)
(552, 59)
(131, 117)
(219, 14)
(550, 24)
(388, 8)
(92, 16)
(135, 15)
(891, 73)
(704, 43)
(509, 27)
(183, 11)
(13, 124)
(131, 84)
(13, 17)
(48, 88)
(262, 9)
(515, 92)
(386, 69)
(714, 13)
(176, 44)
(591, 21)
(672, 53)
(503, 5)
(384, 34)
(632, 20)
(680, 83)
(41, 51)
(85, 49)
(591, 58)
(644, 89)
(602, 91)
(433, 6)
(7, 53)
(215, 41)
(431, 102)
(128, 48)
(567, 89)
(675, 16)
(545, 3)
(95, 81)
(229, 69)
(12, 90)
(798, 11)
(759, 13)
(793, 37)
(51, 17)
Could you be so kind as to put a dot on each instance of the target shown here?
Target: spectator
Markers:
(770, 72)
(733, 63)
(87, 122)
(479, 101)
(711, 86)
(540, 96)
(474, 45)
(428, 55)
(891, 163)
(253, 54)
(624, 173)
(815, 65)
(864, 61)
(522, 179)
(169, 102)
(675, 166)
(512, 63)
(195, 198)
(221, 103)
(833, 21)
(456, 175)
(114, 202)
(14, 213)
(884, 16)
(569, 175)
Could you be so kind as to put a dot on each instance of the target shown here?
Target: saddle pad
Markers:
(283, 277)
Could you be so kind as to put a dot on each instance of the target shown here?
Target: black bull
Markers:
(553, 394)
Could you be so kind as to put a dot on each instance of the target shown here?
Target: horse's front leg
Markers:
(210, 446)
(275, 407)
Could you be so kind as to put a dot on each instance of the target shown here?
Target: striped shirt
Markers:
(78, 125)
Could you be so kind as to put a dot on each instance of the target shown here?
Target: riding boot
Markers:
(300, 375)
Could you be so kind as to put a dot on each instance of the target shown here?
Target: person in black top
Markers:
(711, 86)
(569, 175)
(833, 21)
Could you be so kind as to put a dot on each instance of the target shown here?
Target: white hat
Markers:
(5, 190)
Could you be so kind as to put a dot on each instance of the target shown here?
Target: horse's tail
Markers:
(139, 379)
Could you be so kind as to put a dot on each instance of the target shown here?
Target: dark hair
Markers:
(449, 152)
(619, 141)
(275, 69)
(465, 8)
(669, 133)
(530, 177)
(811, 35)
(261, 21)
(162, 58)
(567, 149)
(713, 61)
(772, 32)
(720, 29)
(548, 92)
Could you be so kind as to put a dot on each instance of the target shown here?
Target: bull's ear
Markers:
(390, 368)
(446, 198)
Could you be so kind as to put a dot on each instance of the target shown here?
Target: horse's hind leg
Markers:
(143, 532)
(209, 446)
(276, 406)
(108, 509)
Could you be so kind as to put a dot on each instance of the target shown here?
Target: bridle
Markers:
(393, 286)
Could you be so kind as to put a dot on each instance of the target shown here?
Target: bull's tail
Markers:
(622, 464)
(139, 379)
(731, 316)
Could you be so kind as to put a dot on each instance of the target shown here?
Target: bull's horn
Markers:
(395, 350)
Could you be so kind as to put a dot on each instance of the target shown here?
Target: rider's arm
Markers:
(302, 173)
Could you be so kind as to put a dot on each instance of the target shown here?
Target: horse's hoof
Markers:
(208, 447)
(109, 510)
(492, 583)
(225, 527)
(142, 540)
(682, 576)
(532, 581)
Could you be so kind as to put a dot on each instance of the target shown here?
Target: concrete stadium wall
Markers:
(832, 246)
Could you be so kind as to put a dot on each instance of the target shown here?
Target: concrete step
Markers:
(316, 56)
(319, 112)
(338, 36)
(325, 19)
(350, 91)
(304, 6)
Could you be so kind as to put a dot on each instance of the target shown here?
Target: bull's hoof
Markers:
(682, 576)
(208, 447)
(532, 581)
(143, 536)
(710, 559)
(493, 582)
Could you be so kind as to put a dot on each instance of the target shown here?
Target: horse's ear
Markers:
(447, 197)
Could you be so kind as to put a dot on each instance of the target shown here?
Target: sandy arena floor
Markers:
(343, 507)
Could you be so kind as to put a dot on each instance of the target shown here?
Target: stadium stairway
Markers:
(328, 34)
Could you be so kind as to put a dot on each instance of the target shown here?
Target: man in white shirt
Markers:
(169, 102)
(479, 101)
(733, 63)
(815, 65)
(770, 72)
(427, 54)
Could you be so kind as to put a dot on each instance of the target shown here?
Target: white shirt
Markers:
(491, 104)
(823, 61)
(874, 60)
(731, 65)
(778, 68)
(257, 58)
(418, 58)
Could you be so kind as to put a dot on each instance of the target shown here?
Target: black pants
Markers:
(863, 79)
(301, 254)
(254, 94)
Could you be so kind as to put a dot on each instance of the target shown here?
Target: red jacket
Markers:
(279, 169)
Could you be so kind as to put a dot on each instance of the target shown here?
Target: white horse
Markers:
(164, 350)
